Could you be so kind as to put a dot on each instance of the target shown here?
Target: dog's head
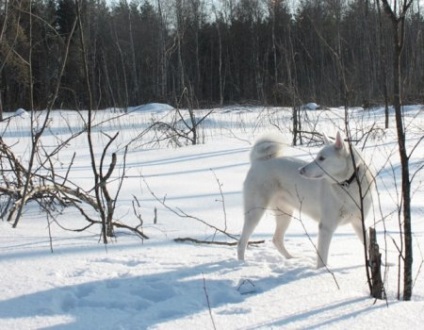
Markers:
(333, 162)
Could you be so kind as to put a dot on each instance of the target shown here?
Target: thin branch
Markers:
(208, 302)
(180, 213)
(197, 241)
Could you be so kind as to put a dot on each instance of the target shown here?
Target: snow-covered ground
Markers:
(161, 284)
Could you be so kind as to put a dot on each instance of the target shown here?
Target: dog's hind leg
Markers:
(282, 218)
(251, 220)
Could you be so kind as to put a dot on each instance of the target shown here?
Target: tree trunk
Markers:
(382, 56)
(163, 54)
(135, 97)
(377, 286)
(406, 185)
(180, 66)
(398, 23)
(220, 77)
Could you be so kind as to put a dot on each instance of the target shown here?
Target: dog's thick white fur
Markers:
(326, 190)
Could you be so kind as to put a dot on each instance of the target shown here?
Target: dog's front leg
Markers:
(325, 234)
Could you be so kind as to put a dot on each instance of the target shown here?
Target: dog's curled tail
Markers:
(267, 147)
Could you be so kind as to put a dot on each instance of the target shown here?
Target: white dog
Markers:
(326, 189)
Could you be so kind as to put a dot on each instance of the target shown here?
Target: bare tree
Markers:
(4, 11)
(218, 23)
(105, 203)
(136, 87)
(397, 14)
(163, 52)
(37, 133)
(382, 55)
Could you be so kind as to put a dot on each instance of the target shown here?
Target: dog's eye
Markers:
(321, 158)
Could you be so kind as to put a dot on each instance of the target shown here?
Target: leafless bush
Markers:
(54, 192)
(38, 179)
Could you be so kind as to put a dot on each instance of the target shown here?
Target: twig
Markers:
(222, 199)
(136, 230)
(421, 263)
(180, 213)
(208, 302)
(193, 240)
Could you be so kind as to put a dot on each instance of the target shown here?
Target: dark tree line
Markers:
(208, 52)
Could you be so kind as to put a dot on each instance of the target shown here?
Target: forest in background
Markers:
(201, 53)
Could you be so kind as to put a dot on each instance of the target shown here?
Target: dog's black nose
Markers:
(302, 171)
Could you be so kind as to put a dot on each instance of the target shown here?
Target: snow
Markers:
(151, 107)
(21, 113)
(161, 284)
(310, 106)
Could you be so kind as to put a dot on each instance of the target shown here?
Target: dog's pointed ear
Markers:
(326, 139)
(339, 144)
